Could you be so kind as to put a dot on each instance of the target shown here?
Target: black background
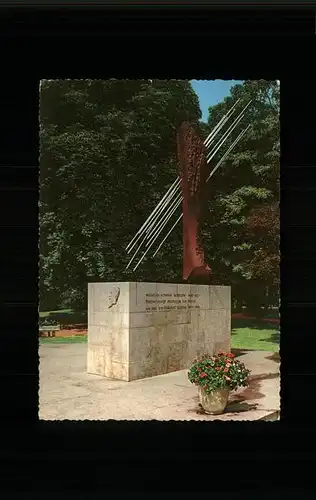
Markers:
(246, 460)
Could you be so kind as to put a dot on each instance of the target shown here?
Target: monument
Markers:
(138, 330)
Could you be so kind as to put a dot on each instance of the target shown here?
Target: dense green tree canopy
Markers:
(107, 156)
(241, 228)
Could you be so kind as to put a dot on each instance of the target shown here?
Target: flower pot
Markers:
(214, 403)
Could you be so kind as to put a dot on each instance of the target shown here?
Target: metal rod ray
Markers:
(135, 253)
(221, 123)
(228, 132)
(175, 205)
(232, 126)
(169, 232)
(166, 203)
(153, 241)
(150, 216)
(224, 139)
(147, 237)
(167, 215)
(210, 137)
(228, 151)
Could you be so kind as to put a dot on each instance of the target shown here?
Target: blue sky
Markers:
(211, 92)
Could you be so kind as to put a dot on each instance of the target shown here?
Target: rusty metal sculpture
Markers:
(193, 175)
(187, 189)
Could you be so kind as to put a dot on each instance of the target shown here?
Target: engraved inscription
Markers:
(171, 301)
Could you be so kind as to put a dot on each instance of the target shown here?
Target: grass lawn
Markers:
(255, 335)
(80, 339)
(246, 334)
(64, 316)
(258, 339)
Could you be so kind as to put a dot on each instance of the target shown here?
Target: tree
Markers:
(244, 191)
(262, 227)
(107, 155)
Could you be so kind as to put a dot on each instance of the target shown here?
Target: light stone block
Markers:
(139, 330)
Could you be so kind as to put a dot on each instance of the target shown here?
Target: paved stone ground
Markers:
(68, 392)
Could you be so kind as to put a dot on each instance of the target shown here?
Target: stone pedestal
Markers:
(139, 330)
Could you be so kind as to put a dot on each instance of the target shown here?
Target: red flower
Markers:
(217, 368)
(202, 375)
(230, 355)
(225, 370)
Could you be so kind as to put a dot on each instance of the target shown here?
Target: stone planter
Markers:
(215, 402)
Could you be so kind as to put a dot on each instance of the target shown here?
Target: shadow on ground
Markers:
(239, 402)
(275, 357)
(240, 352)
(274, 337)
(251, 323)
(231, 408)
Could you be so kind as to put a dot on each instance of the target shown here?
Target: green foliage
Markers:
(218, 372)
(107, 156)
(245, 188)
